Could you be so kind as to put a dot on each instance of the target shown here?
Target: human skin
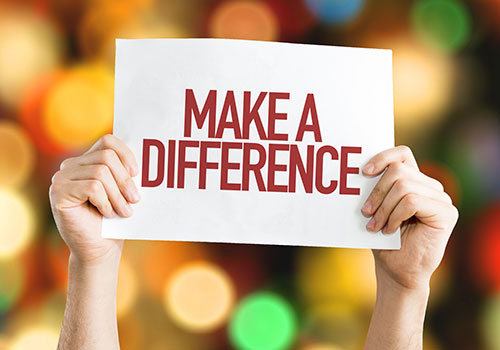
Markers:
(85, 189)
(98, 184)
(407, 199)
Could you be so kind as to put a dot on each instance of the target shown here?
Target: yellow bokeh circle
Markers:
(199, 296)
(30, 46)
(79, 108)
(16, 155)
(337, 275)
(16, 224)
(423, 82)
(35, 338)
(128, 288)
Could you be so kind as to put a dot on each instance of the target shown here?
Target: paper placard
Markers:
(252, 142)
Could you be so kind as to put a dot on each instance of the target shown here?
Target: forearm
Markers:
(90, 317)
(398, 317)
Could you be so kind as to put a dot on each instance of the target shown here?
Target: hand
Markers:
(407, 199)
(86, 188)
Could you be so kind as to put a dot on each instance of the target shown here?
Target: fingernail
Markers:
(368, 168)
(371, 224)
(113, 213)
(367, 207)
(384, 229)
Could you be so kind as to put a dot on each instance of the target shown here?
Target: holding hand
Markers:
(407, 199)
(86, 188)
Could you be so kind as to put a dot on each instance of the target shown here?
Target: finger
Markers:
(109, 158)
(381, 160)
(66, 194)
(395, 172)
(124, 153)
(398, 191)
(431, 212)
(103, 174)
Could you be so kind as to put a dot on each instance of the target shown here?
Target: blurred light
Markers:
(235, 258)
(485, 252)
(335, 11)
(3, 343)
(160, 259)
(131, 332)
(293, 17)
(79, 108)
(99, 27)
(422, 89)
(490, 13)
(30, 113)
(128, 288)
(244, 19)
(16, 224)
(490, 323)
(29, 46)
(444, 175)
(328, 275)
(199, 296)
(472, 151)
(441, 282)
(103, 24)
(263, 321)
(481, 138)
(57, 256)
(321, 347)
(442, 24)
(11, 282)
(35, 338)
(16, 155)
(335, 322)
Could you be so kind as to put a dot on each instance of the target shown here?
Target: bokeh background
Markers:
(56, 99)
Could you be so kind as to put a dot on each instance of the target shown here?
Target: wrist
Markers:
(387, 283)
(110, 259)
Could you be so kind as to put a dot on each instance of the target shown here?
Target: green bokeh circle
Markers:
(263, 321)
(444, 25)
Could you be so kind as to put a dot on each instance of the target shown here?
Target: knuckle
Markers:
(55, 177)
(107, 140)
(395, 170)
(438, 184)
(65, 163)
(401, 186)
(94, 186)
(53, 191)
(107, 155)
(411, 200)
(456, 213)
(100, 171)
(405, 149)
(447, 197)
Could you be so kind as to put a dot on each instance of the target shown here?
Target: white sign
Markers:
(252, 142)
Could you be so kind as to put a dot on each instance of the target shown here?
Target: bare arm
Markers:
(398, 318)
(90, 316)
(85, 189)
(417, 204)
